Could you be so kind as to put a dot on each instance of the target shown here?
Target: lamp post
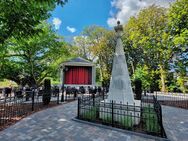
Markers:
(64, 69)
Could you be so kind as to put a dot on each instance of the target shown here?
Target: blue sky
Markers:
(71, 19)
(77, 14)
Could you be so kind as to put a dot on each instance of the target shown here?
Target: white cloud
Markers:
(57, 23)
(82, 37)
(71, 29)
(128, 8)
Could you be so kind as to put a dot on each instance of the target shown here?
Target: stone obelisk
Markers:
(120, 89)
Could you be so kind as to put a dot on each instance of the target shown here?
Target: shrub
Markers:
(127, 121)
(47, 92)
(90, 114)
(150, 120)
(138, 88)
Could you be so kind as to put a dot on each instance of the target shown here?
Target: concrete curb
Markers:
(121, 130)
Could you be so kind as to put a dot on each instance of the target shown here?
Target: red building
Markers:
(78, 71)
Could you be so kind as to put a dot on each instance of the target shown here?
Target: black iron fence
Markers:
(158, 110)
(179, 100)
(14, 105)
(146, 118)
(14, 108)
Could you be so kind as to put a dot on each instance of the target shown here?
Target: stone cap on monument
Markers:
(119, 27)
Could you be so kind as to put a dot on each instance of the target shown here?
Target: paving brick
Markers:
(56, 124)
(175, 122)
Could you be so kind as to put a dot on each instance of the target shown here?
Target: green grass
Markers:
(90, 114)
(107, 119)
(124, 121)
(127, 121)
(150, 120)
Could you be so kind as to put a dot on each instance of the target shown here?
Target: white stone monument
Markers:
(120, 90)
(120, 85)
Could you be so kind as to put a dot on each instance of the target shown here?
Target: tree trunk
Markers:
(181, 81)
(163, 78)
(132, 66)
(101, 73)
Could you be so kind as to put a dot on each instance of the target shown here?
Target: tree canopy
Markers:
(145, 41)
(178, 38)
(155, 43)
(30, 60)
(18, 18)
(101, 47)
(30, 49)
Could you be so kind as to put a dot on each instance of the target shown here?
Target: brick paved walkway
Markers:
(175, 121)
(56, 124)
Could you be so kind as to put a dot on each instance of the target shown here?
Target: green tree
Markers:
(102, 43)
(178, 30)
(146, 41)
(82, 44)
(142, 73)
(133, 51)
(18, 18)
(31, 60)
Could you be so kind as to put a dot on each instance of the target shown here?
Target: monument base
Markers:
(127, 115)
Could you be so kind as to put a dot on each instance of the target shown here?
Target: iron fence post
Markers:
(93, 96)
(112, 113)
(78, 112)
(33, 99)
(62, 97)
(58, 98)
(103, 93)
(161, 123)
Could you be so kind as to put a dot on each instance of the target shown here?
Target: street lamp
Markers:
(64, 69)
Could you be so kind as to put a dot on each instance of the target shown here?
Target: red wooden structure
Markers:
(78, 71)
(78, 75)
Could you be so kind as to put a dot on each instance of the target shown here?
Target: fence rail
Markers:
(14, 108)
(158, 110)
(179, 100)
(146, 118)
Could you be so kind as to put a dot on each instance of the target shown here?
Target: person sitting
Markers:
(7, 91)
(82, 90)
(99, 90)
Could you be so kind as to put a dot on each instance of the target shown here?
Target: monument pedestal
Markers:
(122, 113)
